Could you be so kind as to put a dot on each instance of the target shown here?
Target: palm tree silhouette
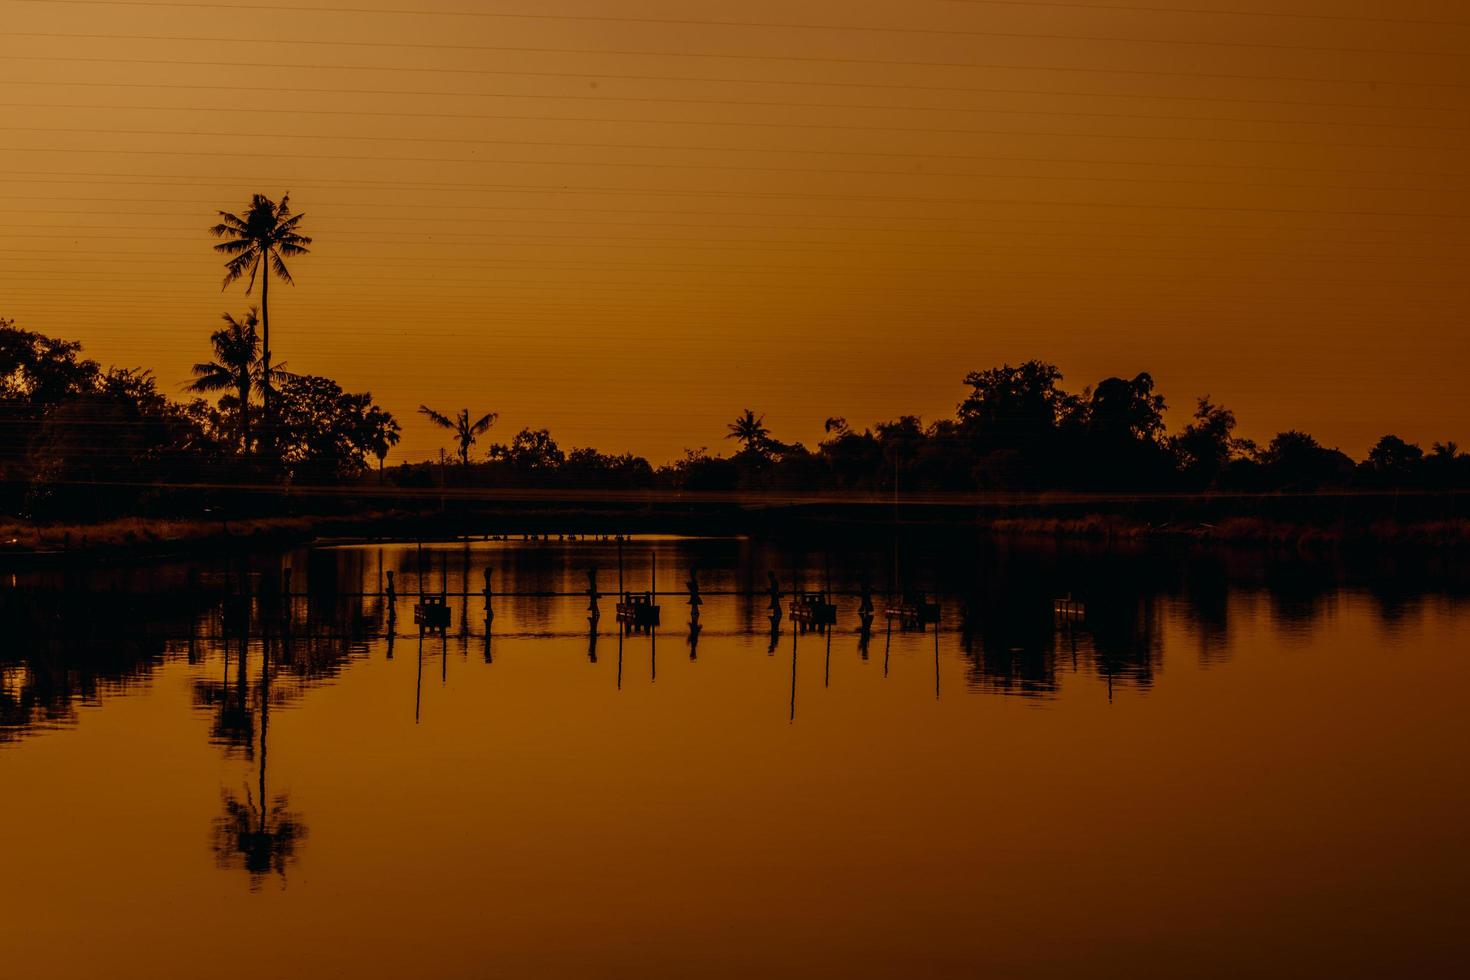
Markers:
(236, 368)
(749, 429)
(464, 430)
(258, 244)
(385, 434)
(236, 350)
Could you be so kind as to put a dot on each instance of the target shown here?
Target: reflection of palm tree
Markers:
(260, 838)
(258, 835)
(749, 429)
(257, 245)
(464, 430)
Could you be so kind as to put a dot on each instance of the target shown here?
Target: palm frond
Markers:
(436, 418)
(483, 423)
(211, 377)
(239, 265)
(228, 223)
(280, 268)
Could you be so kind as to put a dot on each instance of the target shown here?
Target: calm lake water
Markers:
(1236, 766)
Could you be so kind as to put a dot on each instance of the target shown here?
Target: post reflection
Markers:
(256, 634)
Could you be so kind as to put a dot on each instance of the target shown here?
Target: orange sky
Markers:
(628, 221)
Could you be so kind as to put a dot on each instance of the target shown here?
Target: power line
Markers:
(1205, 208)
(767, 25)
(684, 54)
(982, 233)
(173, 180)
(1206, 11)
(753, 124)
(564, 189)
(1106, 227)
(1093, 177)
(740, 102)
(1011, 158)
(787, 151)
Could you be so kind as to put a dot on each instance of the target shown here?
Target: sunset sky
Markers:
(627, 221)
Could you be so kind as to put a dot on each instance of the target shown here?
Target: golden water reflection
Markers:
(1226, 769)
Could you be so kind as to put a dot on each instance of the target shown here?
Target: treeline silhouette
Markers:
(80, 442)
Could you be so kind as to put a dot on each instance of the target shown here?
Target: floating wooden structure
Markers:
(1069, 611)
(913, 611)
(638, 610)
(431, 612)
(813, 609)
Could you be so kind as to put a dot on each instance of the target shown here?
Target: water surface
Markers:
(1235, 766)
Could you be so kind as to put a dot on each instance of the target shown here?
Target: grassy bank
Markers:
(1265, 521)
(139, 535)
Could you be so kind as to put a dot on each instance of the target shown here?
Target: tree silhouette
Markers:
(325, 433)
(464, 430)
(258, 837)
(236, 347)
(1392, 455)
(750, 429)
(384, 434)
(1126, 411)
(530, 449)
(1208, 444)
(236, 368)
(257, 245)
(1296, 461)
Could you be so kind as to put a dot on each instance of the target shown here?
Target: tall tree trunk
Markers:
(245, 415)
(267, 434)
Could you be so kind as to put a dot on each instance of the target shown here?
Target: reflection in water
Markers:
(258, 839)
(105, 637)
(259, 833)
(251, 639)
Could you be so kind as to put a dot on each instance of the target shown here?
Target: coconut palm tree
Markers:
(234, 368)
(384, 434)
(751, 430)
(258, 243)
(464, 430)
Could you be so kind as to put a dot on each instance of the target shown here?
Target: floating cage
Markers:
(431, 612)
(637, 609)
(813, 609)
(914, 611)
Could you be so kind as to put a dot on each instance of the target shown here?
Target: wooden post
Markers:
(286, 595)
(489, 612)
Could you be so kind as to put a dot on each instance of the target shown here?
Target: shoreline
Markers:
(155, 538)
